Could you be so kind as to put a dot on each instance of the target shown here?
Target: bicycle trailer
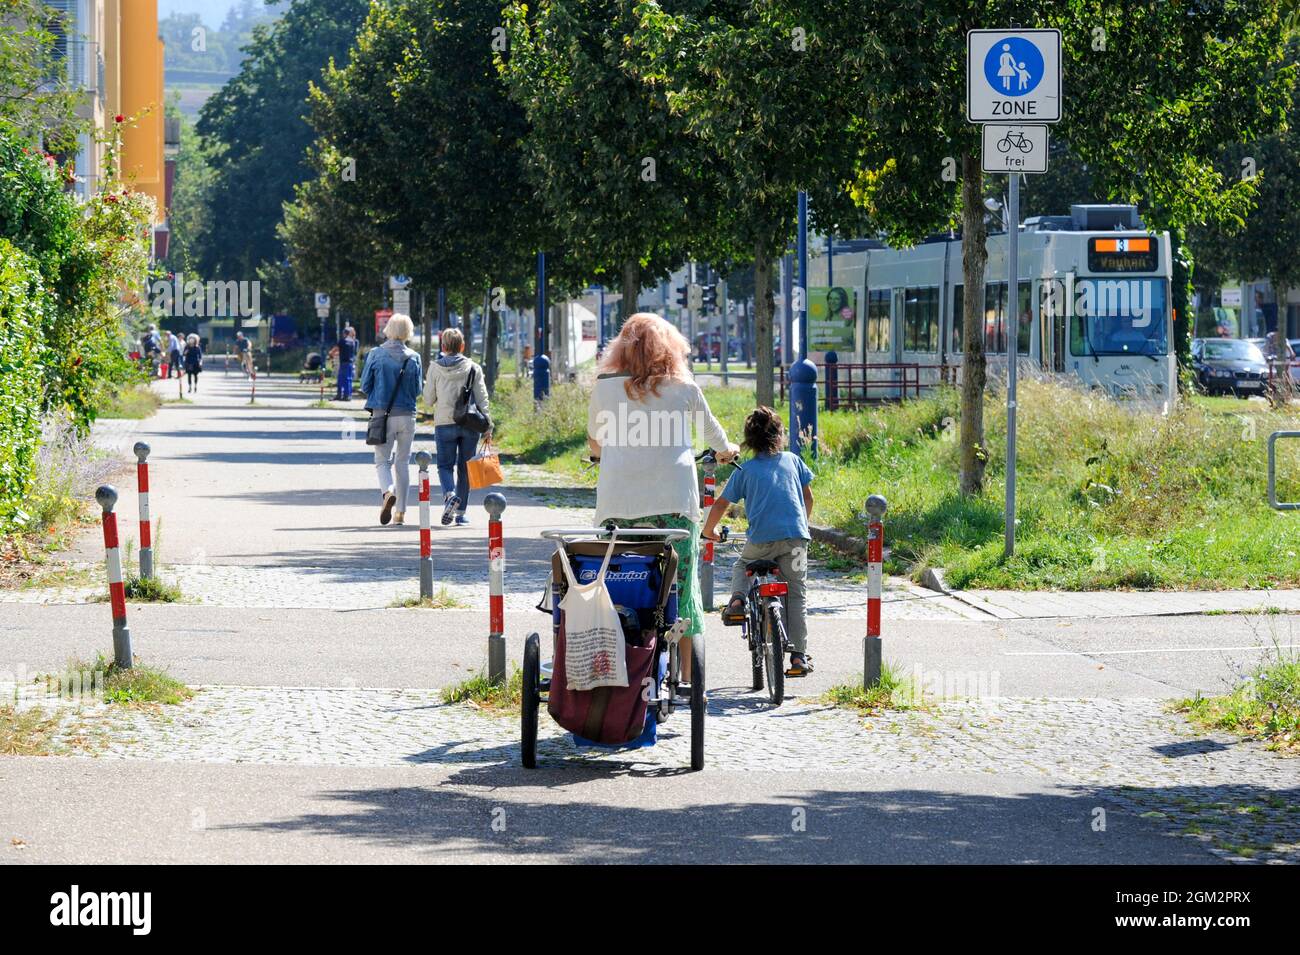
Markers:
(641, 579)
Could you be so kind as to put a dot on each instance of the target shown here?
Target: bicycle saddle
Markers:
(761, 567)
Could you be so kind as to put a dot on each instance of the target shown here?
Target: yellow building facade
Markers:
(115, 55)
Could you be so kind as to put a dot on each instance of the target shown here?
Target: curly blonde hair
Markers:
(649, 351)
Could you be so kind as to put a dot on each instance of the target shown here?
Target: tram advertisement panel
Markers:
(832, 318)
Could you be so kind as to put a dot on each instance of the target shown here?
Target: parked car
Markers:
(1229, 366)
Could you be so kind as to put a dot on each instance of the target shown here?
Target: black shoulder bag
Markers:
(377, 429)
(467, 413)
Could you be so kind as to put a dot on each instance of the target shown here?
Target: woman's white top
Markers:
(647, 462)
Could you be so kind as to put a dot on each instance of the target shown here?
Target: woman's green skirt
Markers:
(689, 604)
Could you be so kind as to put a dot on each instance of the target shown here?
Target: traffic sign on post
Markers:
(1013, 86)
(1014, 148)
(1013, 76)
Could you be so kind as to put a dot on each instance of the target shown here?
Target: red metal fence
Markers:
(849, 384)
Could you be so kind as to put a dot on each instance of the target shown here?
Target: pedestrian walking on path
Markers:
(174, 354)
(391, 380)
(347, 349)
(193, 358)
(452, 373)
(641, 423)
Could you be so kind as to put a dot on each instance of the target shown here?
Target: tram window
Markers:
(995, 308)
(1024, 326)
(921, 319)
(958, 317)
(878, 320)
(995, 318)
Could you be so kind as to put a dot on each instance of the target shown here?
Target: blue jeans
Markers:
(347, 372)
(456, 445)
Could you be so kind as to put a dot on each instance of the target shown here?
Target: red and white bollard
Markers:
(422, 460)
(252, 385)
(496, 504)
(871, 647)
(709, 465)
(146, 533)
(106, 495)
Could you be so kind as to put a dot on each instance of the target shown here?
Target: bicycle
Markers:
(1019, 140)
(763, 626)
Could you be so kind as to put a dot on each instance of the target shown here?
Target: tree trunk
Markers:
(491, 343)
(764, 306)
(974, 254)
(631, 290)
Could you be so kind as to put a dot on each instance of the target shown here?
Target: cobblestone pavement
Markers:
(1240, 800)
(357, 588)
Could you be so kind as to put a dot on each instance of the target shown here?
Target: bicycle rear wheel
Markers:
(774, 654)
(753, 636)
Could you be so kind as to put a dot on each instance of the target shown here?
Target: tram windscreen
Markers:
(1119, 317)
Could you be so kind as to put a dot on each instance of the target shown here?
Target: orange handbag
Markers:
(485, 469)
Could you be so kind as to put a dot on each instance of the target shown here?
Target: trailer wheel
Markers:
(531, 701)
(697, 703)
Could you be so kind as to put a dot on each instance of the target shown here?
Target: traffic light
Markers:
(694, 298)
(710, 298)
(683, 295)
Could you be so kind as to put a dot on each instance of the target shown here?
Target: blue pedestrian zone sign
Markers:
(1013, 76)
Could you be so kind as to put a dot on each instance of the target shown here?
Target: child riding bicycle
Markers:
(774, 486)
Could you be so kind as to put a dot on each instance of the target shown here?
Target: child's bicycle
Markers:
(763, 626)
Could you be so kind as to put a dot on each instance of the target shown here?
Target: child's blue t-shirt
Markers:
(772, 488)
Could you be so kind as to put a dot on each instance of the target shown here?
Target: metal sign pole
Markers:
(1013, 351)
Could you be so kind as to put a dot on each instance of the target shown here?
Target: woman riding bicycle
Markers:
(643, 413)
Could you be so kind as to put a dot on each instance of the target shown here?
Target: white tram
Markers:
(1093, 300)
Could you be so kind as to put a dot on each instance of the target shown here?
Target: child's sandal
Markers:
(733, 615)
(800, 665)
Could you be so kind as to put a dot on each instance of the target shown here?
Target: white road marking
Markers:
(1099, 653)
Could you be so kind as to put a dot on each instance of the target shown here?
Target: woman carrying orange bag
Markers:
(456, 445)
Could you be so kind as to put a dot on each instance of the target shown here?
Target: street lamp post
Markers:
(541, 363)
(803, 373)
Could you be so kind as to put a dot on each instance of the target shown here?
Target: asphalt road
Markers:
(88, 811)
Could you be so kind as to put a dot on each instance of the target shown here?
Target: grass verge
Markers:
(27, 731)
(151, 590)
(136, 402)
(139, 685)
(1266, 706)
(442, 599)
(498, 699)
(1112, 496)
(895, 691)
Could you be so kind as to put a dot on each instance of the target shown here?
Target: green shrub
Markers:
(21, 369)
(86, 256)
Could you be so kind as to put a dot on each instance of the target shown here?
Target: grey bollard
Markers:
(495, 504)
(872, 651)
(146, 527)
(709, 467)
(106, 495)
(422, 460)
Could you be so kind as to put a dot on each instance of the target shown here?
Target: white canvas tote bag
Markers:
(594, 653)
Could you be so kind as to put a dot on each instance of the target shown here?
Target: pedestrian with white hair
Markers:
(392, 380)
